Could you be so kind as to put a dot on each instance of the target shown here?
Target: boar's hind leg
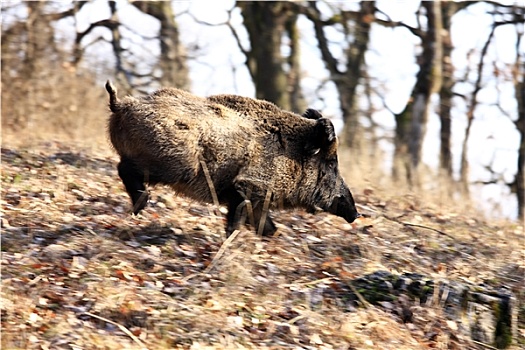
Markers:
(133, 180)
(237, 211)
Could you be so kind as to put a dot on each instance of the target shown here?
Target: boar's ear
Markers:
(311, 113)
(323, 136)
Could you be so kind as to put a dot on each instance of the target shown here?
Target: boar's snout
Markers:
(344, 207)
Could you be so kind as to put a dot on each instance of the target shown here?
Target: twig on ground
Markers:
(426, 227)
(249, 211)
(363, 301)
(365, 207)
(295, 319)
(403, 222)
(483, 344)
(419, 226)
(121, 327)
(308, 283)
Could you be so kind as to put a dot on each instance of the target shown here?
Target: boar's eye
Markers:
(329, 166)
(332, 164)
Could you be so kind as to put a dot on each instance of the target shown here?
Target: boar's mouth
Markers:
(345, 208)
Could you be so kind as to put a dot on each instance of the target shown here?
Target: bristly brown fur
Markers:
(249, 147)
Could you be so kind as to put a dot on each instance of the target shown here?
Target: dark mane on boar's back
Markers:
(250, 149)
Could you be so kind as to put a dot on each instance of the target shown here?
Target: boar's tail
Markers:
(113, 99)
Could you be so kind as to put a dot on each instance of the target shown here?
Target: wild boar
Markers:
(234, 147)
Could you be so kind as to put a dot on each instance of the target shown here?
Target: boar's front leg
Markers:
(269, 227)
(133, 180)
(237, 211)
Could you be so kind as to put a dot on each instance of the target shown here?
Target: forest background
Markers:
(428, 97)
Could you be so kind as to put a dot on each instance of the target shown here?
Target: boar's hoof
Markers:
(139, 201)
(269, 228)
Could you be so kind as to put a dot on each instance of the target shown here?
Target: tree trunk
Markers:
(520, 124)
(355, 59)
(40, 48)
(266, 23)
(40, 39)
(411, 122)
(297, 102)
(448, 10)
(473, 103)
(346, 82)
(446, 92)
(122, 77)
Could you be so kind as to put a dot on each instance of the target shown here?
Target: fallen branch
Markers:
(487, 346)
(425, 227)
(221, 251)
(308, 283)
(419, 226)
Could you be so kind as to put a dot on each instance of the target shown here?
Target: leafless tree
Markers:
(411, 122)
(267, 23)
(356, 26)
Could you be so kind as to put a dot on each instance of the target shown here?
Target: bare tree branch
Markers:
(389, 23)
(107, 23)
(500, 5)
(61, 15)
(464, 168)
(314, 15)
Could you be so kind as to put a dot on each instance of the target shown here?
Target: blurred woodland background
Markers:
(465, 92)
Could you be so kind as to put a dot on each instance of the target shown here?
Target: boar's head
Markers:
(322, 185)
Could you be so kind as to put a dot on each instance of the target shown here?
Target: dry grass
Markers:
(66, 104)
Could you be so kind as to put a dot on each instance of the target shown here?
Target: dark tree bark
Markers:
(446, 93)
(40, 39)
(354, 65)
(519, 85)
(297, 101)
(411, 122)
(519, 88)
(121, 74)
(472, 105)
(266, 23)
(448, 9)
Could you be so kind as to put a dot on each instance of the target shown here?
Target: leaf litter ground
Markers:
(79, 272)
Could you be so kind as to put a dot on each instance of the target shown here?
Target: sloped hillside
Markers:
(79, 272)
